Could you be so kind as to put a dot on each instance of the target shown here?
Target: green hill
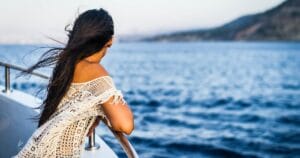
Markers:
(279, 23)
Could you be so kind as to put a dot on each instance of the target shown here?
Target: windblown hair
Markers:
(91, 31)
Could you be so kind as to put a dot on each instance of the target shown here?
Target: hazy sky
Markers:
(29, 21)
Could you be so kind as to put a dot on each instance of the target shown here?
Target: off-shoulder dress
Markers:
(64, 133)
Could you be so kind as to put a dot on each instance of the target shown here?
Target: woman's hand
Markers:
(95, 124)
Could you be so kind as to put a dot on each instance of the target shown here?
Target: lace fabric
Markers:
(64, 133)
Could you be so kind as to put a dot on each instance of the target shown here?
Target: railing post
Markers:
(92, 145)
(7, 79)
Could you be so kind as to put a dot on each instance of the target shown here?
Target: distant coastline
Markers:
(280, 23)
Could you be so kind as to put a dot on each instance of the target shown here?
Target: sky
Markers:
(32, 21)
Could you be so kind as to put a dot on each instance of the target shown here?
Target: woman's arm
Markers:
(118, 114)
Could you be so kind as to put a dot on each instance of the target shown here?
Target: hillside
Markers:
(279, 23)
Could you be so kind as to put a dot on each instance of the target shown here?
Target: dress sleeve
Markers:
(104, 89)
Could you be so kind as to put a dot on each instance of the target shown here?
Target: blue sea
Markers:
(199, 99)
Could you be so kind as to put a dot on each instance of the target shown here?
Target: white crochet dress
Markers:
(64, 133)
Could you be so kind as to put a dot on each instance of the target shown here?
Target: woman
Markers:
(80, 91)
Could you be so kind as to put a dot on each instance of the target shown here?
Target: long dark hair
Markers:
(91, 31)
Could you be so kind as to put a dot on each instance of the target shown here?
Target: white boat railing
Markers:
(92, 145)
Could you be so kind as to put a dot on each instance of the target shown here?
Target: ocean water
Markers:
(201, 99)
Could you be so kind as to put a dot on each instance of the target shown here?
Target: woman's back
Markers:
(87, 71)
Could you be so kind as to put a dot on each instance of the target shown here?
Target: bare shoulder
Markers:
(96, 70)
(88, 72)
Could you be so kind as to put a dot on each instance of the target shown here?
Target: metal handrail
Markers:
(127, 147)
(8, 66)
(22, 69)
